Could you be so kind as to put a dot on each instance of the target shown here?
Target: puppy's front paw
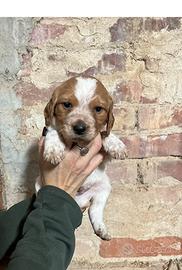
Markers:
(115, 147)
(118, 151)
(54, 148)
(54, 153)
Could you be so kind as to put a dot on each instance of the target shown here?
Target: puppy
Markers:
(79, 109)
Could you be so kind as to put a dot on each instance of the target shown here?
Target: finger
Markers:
(93, 150)
(74, 158)
(73, 154)
(93, 164)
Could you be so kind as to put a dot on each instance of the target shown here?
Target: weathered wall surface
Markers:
(139, 60)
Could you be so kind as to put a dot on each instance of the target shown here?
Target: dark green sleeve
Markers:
(11, 224)
(48, 239)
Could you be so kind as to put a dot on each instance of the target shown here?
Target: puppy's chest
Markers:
(94, 181)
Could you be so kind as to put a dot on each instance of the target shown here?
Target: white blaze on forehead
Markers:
(85, 89)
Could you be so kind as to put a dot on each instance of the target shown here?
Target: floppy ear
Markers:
(49, 110)
(110, 120)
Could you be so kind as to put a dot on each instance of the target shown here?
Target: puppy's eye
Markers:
(98, 109)
(67, 105)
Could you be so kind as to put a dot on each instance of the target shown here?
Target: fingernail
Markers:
(44, 132)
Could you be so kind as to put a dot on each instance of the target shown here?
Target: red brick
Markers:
(107, 64)
(158, 117)
(128, 29)
(128, 247)
(125, 118)
(155, 169)
(130, 91)
(31, 95)
(171, 168)
(153, 146)
(111, 62)
(124, 172)
(145, 100)
(154, 24)
(43, 32)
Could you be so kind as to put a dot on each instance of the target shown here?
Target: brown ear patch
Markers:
(103, 93)
(49, 110)
(110, 120)
(66, 89)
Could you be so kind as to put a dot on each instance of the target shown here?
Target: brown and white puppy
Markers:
(79, 109)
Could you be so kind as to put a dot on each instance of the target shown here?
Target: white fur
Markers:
(54, 147)
(94, 194)
(115, 147)
(85, 90)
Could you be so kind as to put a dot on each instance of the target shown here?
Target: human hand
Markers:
(70, 174)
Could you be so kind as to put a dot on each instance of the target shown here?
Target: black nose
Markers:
(79, 128)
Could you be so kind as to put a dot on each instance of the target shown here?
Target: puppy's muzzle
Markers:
(79, 127)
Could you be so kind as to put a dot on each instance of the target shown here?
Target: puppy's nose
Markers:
(79, 128)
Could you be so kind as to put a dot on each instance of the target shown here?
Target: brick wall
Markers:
(139, 60)
(1, 196)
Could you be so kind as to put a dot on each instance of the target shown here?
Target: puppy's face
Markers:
(79, 109)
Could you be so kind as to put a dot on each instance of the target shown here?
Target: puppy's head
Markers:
(79, 109)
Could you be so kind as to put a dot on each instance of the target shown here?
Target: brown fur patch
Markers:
(106, 116)
(64, 92)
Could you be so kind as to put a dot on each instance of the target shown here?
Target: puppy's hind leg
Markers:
(96, 212)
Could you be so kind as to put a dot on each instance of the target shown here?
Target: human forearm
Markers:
(48, 234)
